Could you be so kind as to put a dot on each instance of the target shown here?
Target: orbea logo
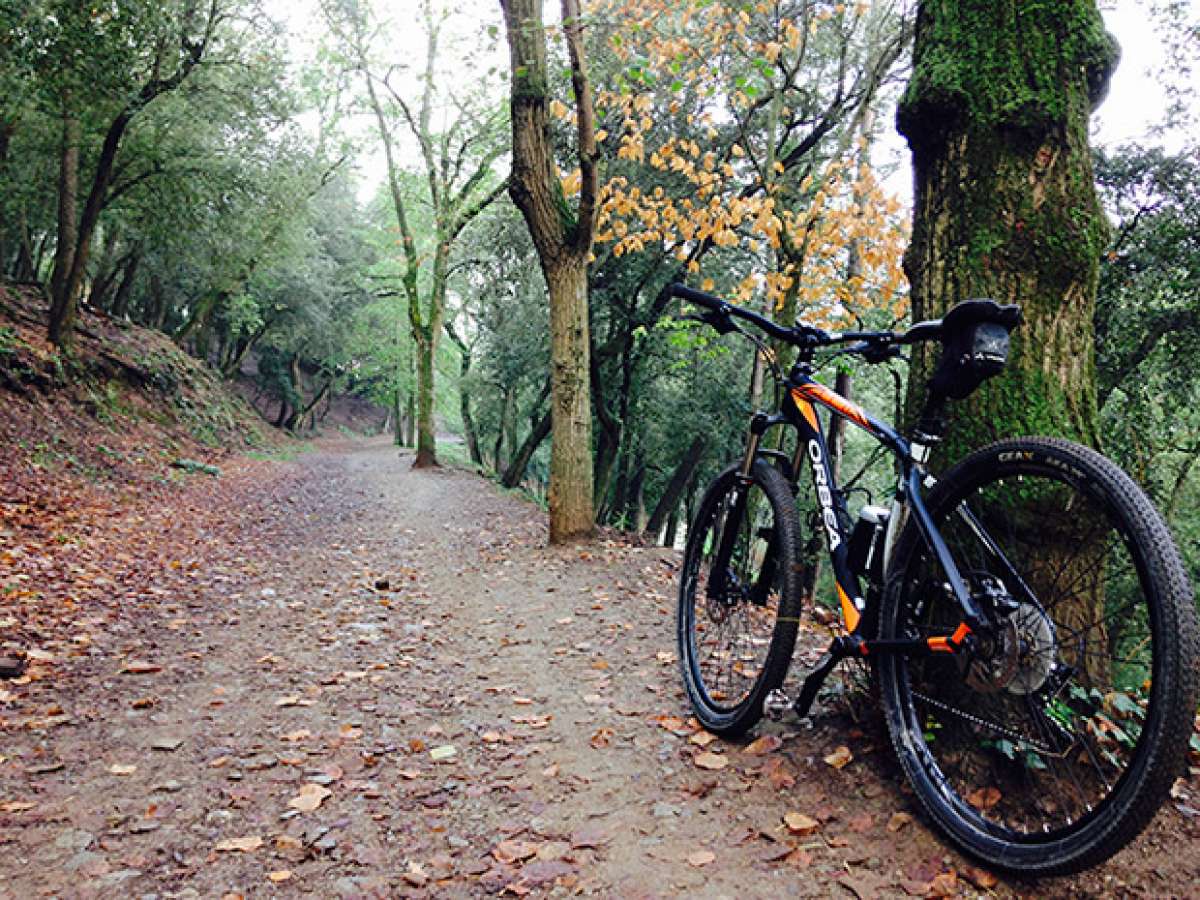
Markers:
(824, 495)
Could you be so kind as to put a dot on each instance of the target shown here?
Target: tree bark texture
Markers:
(563, 238)
(516, 467)
(62, 302)
(996, 113)
(668, 503)
(426, 346)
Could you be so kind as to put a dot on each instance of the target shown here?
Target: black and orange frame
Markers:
(802, 394)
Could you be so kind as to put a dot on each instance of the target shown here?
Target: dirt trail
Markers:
(384, 685)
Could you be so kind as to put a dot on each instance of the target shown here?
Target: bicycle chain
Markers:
(975, 720)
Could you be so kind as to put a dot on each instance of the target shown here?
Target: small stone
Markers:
(664, 810)
(73, 839)
(142, 826)
(83, 860)
(259, 762)
(170, 787)
(167, 744)
(326, 843)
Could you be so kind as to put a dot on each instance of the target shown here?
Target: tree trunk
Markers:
(62, 299)
(516, 468)
(398, 416)
(844, 385)
(410, 419)
(996, 114)
(464, 404)
(426, 347)
(107, 270)
(233, 366)
(298, 416)
(199, 316)
(503, 429)
(570, 495)
(156, 313)
(120, 305)
(26, 268)
(668, 503)
(563, 238)
(672, 529)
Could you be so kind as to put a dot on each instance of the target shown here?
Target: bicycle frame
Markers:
(802, 395)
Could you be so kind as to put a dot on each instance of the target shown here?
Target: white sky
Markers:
(1135, 103)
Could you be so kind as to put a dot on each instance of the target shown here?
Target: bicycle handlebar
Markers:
(871, 343)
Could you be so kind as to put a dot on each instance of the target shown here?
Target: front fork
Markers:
(719, 585)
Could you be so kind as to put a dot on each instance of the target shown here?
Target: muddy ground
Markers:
(358, 680)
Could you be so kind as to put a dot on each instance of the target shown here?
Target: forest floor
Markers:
(335, 676)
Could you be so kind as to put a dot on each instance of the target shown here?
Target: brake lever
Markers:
(878, 353)
(719, 321)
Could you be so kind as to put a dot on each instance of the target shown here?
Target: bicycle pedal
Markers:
(776, 705)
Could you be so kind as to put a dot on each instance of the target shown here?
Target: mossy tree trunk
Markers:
(563, 237)
(996, 113)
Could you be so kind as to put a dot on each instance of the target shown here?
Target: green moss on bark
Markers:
(996, 114)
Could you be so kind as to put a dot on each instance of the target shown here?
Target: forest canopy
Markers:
(320, 201)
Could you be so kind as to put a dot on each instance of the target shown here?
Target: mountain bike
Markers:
(1029, 624)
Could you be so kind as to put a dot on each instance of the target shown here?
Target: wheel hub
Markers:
(1019, 657)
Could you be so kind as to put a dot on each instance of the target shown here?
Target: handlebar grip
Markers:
(708, 301)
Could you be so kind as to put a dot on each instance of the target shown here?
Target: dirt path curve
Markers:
(385, 685)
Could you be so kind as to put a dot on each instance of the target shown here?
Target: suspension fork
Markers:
(759, 423)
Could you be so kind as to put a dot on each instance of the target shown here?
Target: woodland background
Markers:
(327, 214)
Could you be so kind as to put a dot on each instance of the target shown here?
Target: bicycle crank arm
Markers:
(841, 648)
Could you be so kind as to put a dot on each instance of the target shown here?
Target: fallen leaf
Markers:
(799, 823)
(897, 821)
(700, 858)
(768, 743)
(242, 844)
(840, 757)
(551, 771)
(514, 851)
(310, 797)
(290, 700)
(981, 878)
(702, 738)
(302, 735)
(447, 751)
(602, 738)
(122, 769)
(139, 667)
(709, 760)
(16, 806)
(944, 885)
(984, 798)
(280, 875)
(799, 858)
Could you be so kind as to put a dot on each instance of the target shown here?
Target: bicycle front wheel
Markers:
(1050, 744)
(739, 598)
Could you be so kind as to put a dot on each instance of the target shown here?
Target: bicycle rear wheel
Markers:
(739, 598)
(1052, 743)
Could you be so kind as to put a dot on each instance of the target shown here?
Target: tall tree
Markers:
(996, 113)
(563, 237)
(457, 161)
